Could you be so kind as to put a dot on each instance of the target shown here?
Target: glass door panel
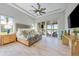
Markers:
(52, 28)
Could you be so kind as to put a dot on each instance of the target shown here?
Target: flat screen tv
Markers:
(73, 19)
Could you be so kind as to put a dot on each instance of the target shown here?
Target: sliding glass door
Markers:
(51, 29)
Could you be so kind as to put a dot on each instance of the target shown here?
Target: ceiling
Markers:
(50, 8)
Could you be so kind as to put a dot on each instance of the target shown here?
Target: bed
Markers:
(27, 37)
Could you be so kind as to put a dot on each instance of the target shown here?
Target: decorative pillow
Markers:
(29, 37)
(24, 33)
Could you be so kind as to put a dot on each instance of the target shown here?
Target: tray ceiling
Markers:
(50, 8)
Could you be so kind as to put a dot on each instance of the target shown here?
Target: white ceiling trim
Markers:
(22, 10)
(32, 16)
(53, 12)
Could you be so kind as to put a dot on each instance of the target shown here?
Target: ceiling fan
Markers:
(39, 9)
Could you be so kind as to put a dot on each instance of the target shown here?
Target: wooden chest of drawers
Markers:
(5, 39)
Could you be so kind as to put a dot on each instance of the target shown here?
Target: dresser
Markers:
(5, 39)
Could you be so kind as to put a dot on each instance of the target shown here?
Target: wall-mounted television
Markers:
(73, 19)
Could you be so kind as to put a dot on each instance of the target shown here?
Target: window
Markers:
(48, 26)
(3, 20)
(6, 24)
(52, 28)
(55, 26)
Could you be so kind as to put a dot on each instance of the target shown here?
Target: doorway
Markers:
(52, 29)
(48, 28)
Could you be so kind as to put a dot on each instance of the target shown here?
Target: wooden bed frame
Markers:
(29, 42)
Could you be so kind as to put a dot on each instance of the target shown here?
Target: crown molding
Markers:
(52, 12)
(22, 10)
(32, 16)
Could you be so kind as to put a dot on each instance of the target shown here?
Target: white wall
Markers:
(19, 17)
(70, 7)
(22, 18)
(59, 17)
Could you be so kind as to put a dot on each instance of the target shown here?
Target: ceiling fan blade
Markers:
(38, 5)
(35, 11)
(43, 12)
(43, 8)
(40, 13)
(34, 7)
